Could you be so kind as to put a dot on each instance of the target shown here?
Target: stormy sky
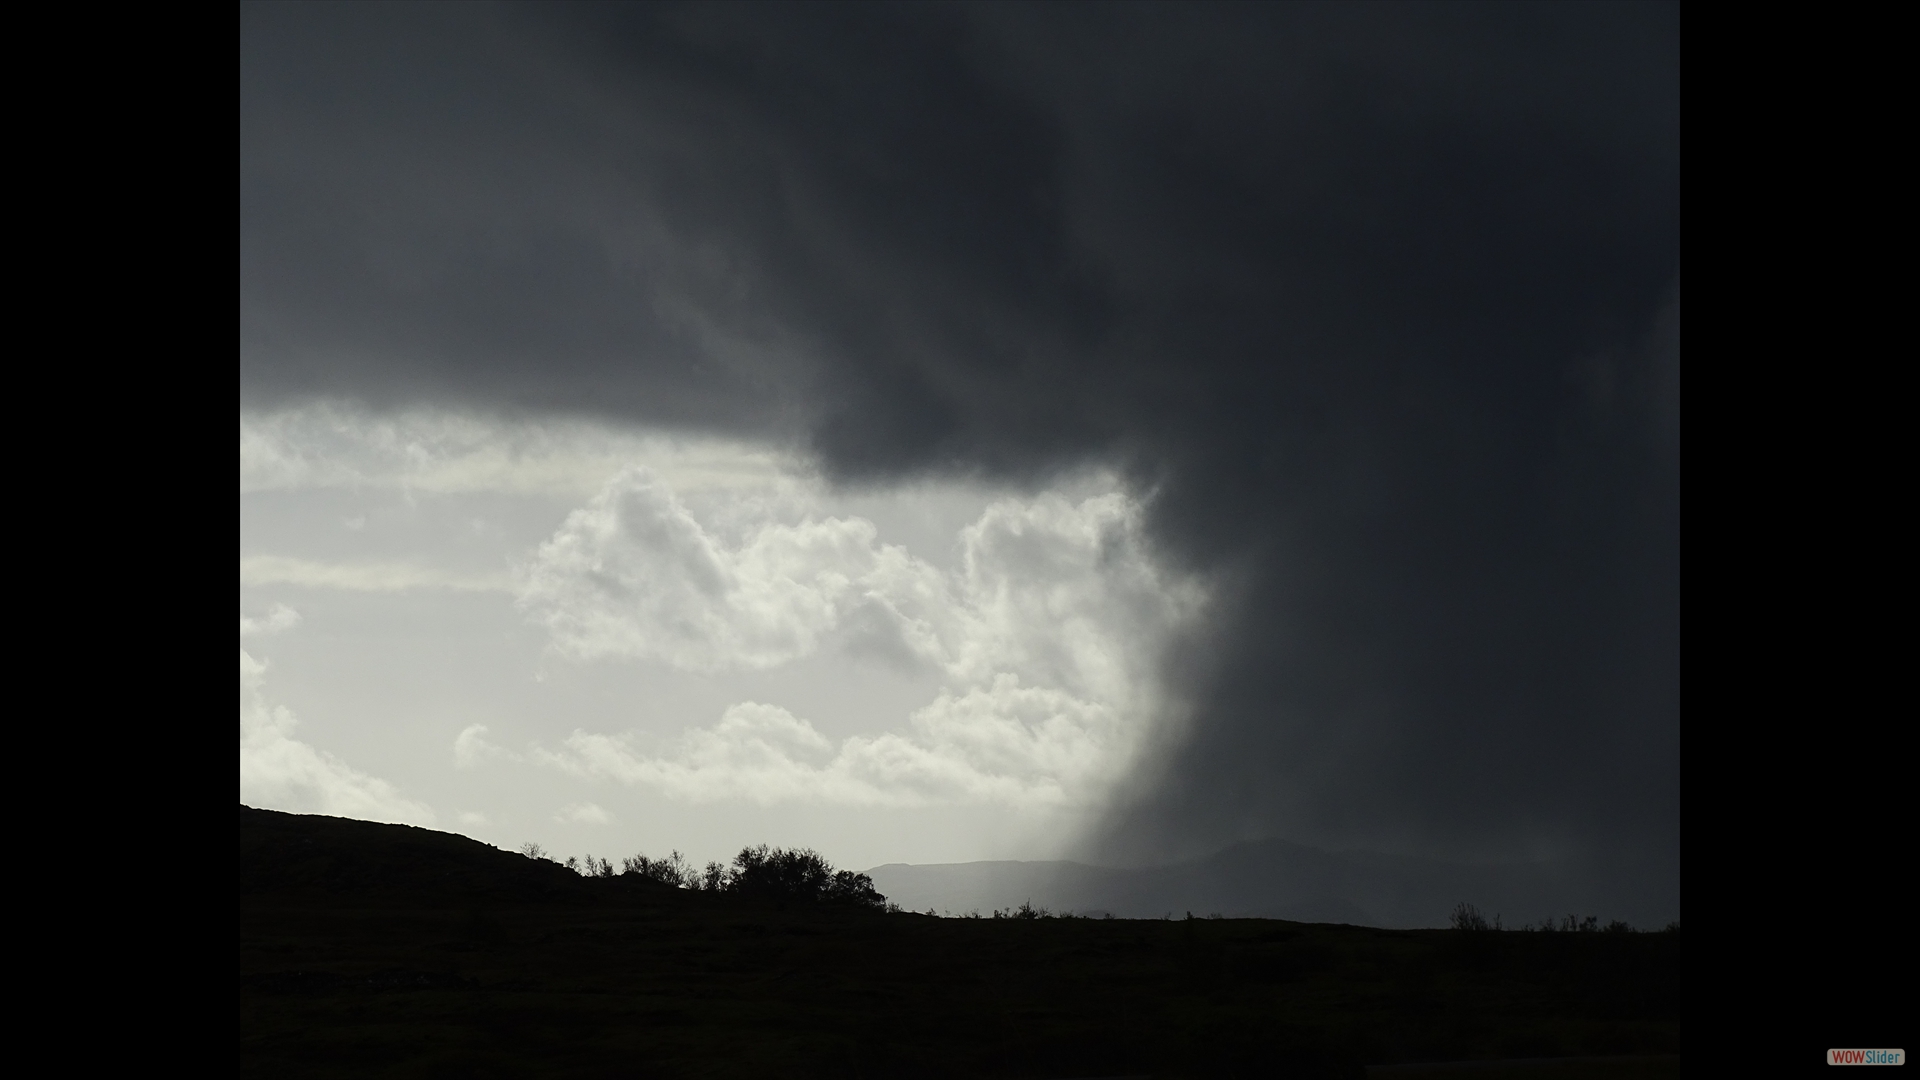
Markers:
(935, 432)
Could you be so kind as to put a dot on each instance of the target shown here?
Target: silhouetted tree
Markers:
(857, 890)
(781, 873)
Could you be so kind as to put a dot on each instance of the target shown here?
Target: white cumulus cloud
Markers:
(278, 771)
(1048, 631)
(1005, 744)
(280, 618)
(634, 574)
(471, 748)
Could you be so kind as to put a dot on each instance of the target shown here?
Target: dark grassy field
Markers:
(382, 950)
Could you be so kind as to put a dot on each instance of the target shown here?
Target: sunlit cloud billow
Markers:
(1048, 634)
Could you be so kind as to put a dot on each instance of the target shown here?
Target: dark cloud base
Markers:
(1381, 301)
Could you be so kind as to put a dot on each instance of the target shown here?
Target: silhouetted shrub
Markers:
(767, 872)
(1588, 925)
(1028, 910)
(796, 874)
(780, 873)
(1467, 917)
(673, 870)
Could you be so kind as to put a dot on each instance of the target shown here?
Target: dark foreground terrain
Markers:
(383, 950)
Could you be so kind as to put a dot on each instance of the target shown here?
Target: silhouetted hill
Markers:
(308, 853)
(387, 951)
(1260, 879)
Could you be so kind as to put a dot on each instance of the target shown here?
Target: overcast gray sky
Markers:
(944, 432)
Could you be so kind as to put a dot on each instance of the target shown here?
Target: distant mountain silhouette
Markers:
(1265, 878)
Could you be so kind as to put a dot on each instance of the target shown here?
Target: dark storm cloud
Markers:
(1384, 300)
